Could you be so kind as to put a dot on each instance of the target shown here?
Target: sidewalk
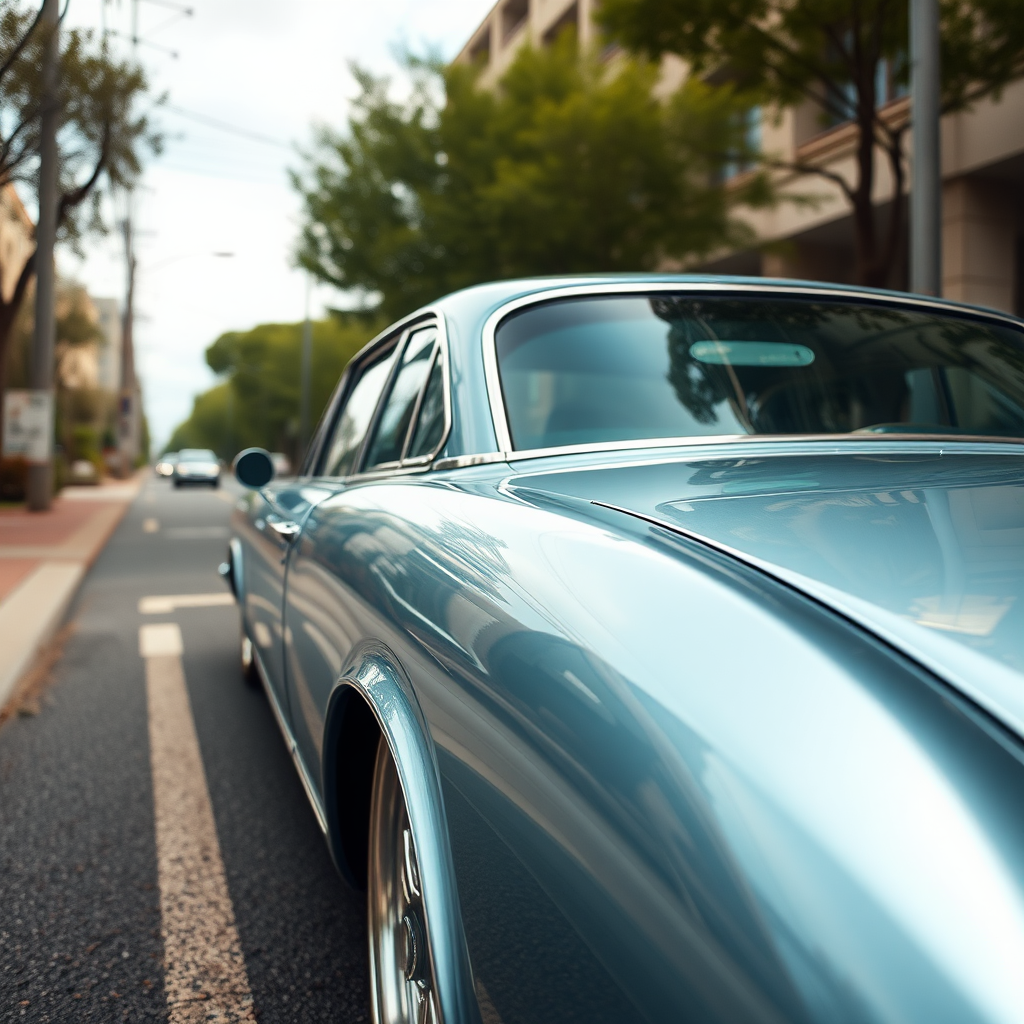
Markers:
(43, 557)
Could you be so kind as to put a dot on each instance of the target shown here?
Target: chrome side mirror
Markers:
(254, 468)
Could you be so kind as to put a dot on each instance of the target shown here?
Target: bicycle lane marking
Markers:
(204, 971)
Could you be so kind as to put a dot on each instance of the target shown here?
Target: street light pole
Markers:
(306, 372)
(128, 411)
(40, 454)
(926, 179)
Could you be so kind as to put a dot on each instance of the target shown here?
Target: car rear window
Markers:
(621, 368)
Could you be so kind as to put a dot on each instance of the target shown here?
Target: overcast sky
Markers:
(270, 68)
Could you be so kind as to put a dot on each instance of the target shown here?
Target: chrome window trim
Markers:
(369, 353)
(430, 316)
(880, 444)
(496, 401)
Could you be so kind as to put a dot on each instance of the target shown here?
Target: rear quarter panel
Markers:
(675, 789)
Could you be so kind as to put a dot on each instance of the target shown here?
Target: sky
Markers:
(269, 68)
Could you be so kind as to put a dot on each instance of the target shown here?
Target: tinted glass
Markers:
(196, 455)
(629, 367)
(393, 425)
(430, 423)
(351, 426)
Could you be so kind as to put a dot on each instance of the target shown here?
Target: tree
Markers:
(834, 54)
(101, 134)
(258, 401)
(570, 165)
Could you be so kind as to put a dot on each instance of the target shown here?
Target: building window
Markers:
(887, 89)
(514, 16)
(751, 128)
(570, 18)
(480, 49)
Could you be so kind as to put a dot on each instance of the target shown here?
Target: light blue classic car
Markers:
(652, 649)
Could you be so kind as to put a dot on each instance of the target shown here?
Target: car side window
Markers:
(355, 417)
(430, 424)
(392, 429)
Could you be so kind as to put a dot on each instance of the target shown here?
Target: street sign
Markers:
(28, 425)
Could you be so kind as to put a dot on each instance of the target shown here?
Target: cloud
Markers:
(272, 69)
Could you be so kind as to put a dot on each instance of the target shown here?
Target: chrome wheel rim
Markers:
(401, 970)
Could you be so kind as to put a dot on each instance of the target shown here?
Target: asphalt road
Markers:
(79, 899)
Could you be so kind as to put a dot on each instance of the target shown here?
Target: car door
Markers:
(323, 621)
(275, 515)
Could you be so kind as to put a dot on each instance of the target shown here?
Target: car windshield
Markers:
(620, 368)
(196, 455)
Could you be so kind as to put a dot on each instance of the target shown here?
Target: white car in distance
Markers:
(196, 466)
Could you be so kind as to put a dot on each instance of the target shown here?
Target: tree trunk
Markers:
(869, 270)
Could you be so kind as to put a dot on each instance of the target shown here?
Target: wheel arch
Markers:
(372, 699)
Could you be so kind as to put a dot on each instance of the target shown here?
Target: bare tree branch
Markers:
(74, 197)
(798, 167)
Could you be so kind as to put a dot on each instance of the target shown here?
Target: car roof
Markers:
(466, 312)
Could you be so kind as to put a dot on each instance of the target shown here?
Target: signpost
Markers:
(28, 425)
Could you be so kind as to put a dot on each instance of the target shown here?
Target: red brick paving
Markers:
(54, 527)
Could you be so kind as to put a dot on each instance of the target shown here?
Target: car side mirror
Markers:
(254, 468)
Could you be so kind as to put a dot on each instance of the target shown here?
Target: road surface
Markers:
(88, 904)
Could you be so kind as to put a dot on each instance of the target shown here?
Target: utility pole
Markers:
(307, 368)
(128, 413)
(129, 419)
(40, 470)
(926, 178)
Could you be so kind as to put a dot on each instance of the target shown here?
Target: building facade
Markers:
(108, 313)
(982, 172)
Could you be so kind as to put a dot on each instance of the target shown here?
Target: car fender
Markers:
(374, 677)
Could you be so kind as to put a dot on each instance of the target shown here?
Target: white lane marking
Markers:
(164, 604)
(196, 532)
(160, 640)
(204, 971)
(150, 525)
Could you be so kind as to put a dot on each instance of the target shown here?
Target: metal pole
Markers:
(307, 361)
(40, 454)
(127, 408)
(926, 180)
(129, 411)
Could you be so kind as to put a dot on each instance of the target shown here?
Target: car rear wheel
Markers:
(401, 971)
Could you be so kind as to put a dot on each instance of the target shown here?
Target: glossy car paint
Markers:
(677, 776)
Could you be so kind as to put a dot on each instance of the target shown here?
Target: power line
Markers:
(224, 126)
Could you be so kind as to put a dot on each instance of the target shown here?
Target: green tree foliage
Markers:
(570, 165)
(834, 54)
(101, 133)
(258, 402)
